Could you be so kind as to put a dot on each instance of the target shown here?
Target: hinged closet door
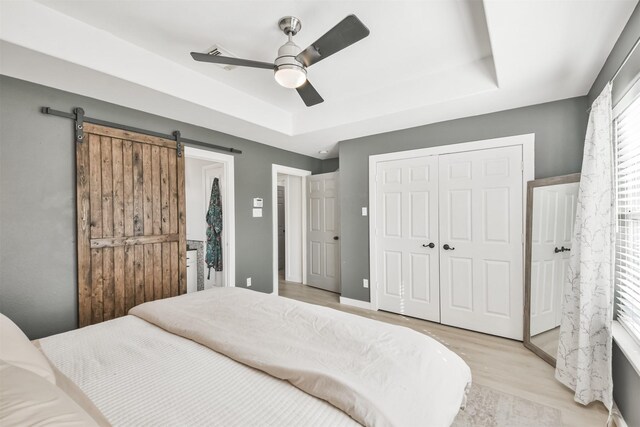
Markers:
(407, 237)
(481, 276)
(131, 222)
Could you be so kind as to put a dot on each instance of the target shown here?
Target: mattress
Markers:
(140, 375)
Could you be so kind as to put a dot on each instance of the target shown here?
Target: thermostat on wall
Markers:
(257, 202)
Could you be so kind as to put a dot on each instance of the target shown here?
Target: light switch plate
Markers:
(257, 202)
(365, 283)
(257, 212)
(364, 211)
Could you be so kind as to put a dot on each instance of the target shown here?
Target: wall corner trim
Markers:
(355, 303)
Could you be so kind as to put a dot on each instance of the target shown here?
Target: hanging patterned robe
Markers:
(214, 230)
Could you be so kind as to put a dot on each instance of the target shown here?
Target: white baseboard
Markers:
(355, 303)
(616, 417)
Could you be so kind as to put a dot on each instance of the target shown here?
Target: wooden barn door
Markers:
(131, 222)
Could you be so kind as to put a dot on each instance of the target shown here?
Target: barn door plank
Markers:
(129, 278)
(95, 182)
(182, 229)
(108, 285)
(147, 194)
(138, 201)
(83, 234)
(139, 274)
(164, 191)
(165, 221)
(166, 270)
(118, 227)
(174, 269)
(96, 286)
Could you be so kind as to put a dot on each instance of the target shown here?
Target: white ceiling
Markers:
(424, 62)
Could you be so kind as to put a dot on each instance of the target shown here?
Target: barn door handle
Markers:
(430, 245)
(446, 247)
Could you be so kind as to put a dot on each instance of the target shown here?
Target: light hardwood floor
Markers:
(502, 364)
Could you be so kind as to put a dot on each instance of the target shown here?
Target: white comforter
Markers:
(139, 375)
(379, 374)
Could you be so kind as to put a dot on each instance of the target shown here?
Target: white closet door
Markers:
(406, 227)
(323, 232)
(554, 210)
(481, 277)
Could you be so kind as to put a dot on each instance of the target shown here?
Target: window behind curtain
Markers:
(627, 275)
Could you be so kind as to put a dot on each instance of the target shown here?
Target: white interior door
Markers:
(281, 228)
(407, 237)
(480, 204)
(554, 211)
(323, 232)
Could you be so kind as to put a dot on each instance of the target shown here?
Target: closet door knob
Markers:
(446, 247)
(430, 245)
(336, 238)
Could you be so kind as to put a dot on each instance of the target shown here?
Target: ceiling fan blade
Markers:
(309, 94)
(205, 57)
(344, 34)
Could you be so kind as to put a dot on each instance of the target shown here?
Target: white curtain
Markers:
(584, 351)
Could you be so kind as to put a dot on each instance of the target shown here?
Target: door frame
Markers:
(228, 208)
(526, 141)
(286, 170)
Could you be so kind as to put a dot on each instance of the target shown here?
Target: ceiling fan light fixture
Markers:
(290, 76)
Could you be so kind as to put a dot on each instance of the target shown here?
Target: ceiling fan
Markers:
(290, 67)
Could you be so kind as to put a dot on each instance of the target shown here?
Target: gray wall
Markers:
(559, 129)
(37, 201)
(619, 52)
(626, 381)
(330, 165)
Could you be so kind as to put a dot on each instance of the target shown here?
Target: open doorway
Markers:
(208, 173)
(289, 225)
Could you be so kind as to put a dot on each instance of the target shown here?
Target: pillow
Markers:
(77, 395)
(16, 349)
(29, 399)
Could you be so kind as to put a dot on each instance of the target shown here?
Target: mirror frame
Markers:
(531, 185)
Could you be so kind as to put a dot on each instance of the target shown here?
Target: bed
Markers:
(230, 356)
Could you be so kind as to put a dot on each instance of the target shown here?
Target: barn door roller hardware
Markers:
(79, 119)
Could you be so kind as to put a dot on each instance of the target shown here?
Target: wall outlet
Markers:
(364, 211)
(248, 282)
(365, 283)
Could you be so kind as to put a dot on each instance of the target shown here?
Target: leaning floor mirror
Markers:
(551, 211)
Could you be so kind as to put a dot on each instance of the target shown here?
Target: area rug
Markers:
(487, 407)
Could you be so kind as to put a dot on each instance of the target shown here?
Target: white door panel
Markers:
(554, 210)
(323, 232)
(408, 222)
(480, 212)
